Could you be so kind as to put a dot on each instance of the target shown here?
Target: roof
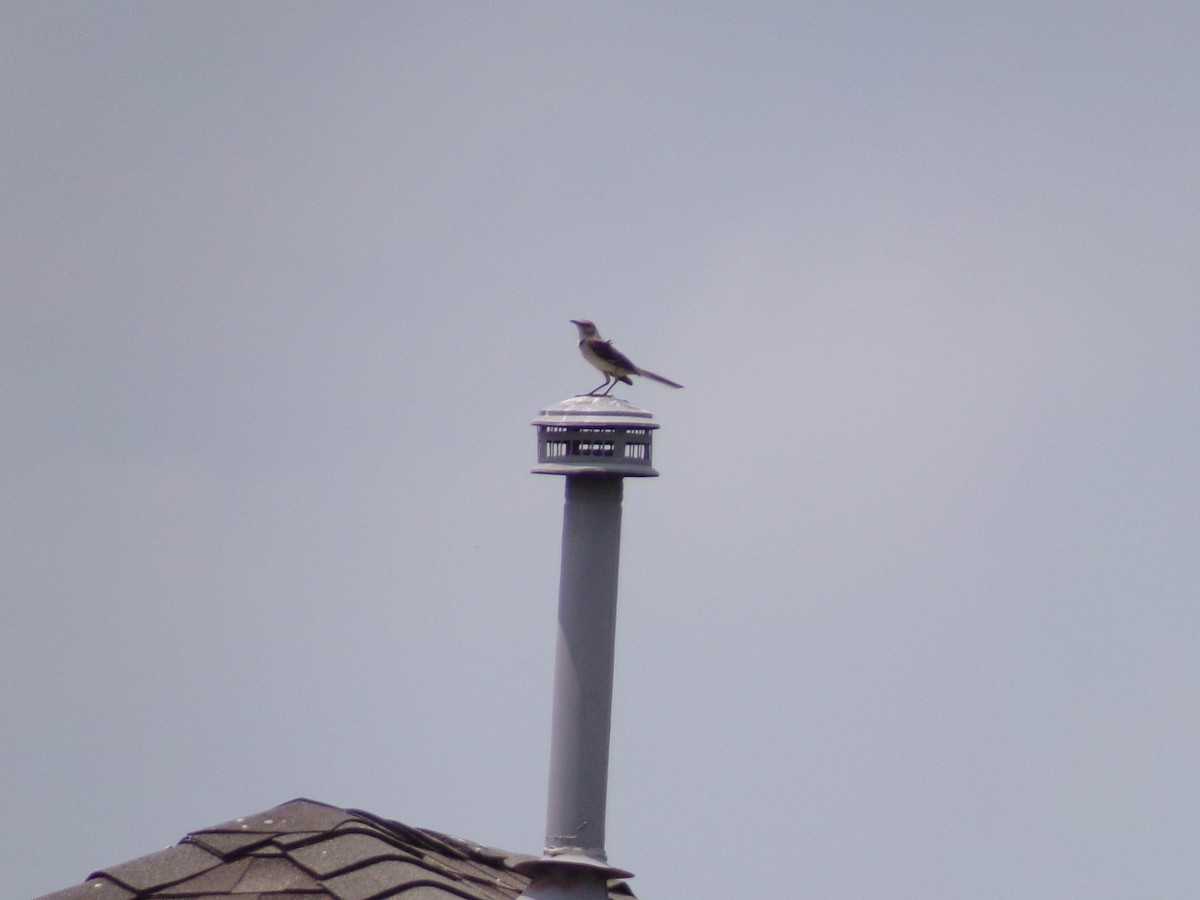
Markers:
(305, 850)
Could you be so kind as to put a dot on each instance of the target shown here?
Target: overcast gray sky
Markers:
(912, 611)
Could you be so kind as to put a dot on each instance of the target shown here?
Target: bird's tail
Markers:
(667, 381)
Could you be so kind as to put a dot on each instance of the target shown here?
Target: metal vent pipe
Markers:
(596, 442)
(583, 666)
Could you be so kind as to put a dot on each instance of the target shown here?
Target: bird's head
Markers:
(586, 329)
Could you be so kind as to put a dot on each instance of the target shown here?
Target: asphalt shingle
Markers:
(305, 850)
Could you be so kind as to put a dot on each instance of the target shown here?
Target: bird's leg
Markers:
(611, 384)
(592, 392)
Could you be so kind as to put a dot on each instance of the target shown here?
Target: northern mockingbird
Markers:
(615, 365)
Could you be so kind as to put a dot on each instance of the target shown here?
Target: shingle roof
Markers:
(305, 850)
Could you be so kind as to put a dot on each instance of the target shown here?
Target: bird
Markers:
(614, 364)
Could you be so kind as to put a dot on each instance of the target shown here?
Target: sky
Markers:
(912, 610)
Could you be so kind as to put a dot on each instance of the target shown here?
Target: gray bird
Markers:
(615, 365)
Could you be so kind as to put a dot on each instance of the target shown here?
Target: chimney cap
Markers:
(595, 435)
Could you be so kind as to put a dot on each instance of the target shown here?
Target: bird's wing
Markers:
(606, 351)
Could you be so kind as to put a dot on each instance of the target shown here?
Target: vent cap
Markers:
(594, 435)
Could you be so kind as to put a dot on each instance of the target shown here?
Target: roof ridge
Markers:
(431, 840)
